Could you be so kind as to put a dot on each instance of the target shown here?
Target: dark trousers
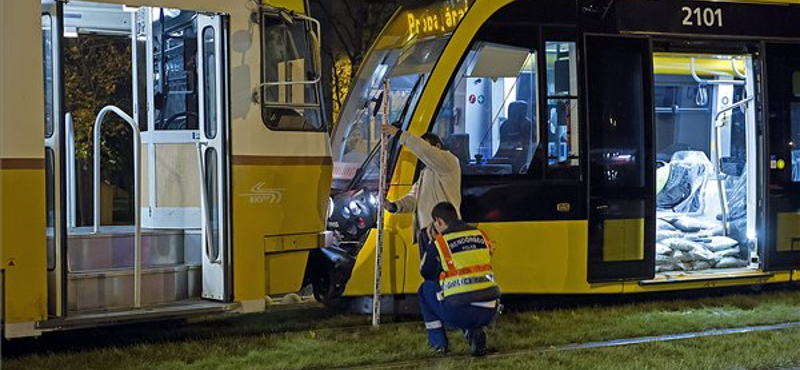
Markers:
(423, 240)
(436, 315)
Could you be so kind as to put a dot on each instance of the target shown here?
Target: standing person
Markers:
(459, 288)
(439, 181)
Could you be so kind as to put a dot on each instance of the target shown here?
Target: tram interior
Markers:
(163, 83)
(705, 163)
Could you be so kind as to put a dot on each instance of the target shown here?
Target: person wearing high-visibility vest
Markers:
(459, 288)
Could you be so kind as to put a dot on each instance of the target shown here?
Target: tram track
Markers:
(621, 342)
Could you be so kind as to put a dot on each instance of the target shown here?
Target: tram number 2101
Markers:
(702, 17)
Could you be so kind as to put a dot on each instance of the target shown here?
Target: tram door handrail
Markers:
(723, 202)
(71, 180)
(137, 145)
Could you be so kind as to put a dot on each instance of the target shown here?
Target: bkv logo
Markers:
(259, 194)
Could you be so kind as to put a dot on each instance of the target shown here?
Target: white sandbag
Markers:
(691, 224)
(682, 256)
(700, 253)
(719, 243)
(662, 249)
(666, 234)
(681, 244)
(662, 259)
(731, 262)
(698, 265)
(730, 252)
(714, 231)
(665, 268)
(662, 225)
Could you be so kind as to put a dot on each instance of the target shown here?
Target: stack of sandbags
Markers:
(688, 244)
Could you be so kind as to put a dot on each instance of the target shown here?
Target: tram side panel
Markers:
(22, 170)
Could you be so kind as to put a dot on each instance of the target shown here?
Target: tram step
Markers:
(112, 289)
(113, 248)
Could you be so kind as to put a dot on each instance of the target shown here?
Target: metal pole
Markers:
(71, 201)
(137, 143)
(723, 202)
(376, 297)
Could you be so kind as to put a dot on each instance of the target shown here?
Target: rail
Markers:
(71, 181)
(702, 93)
(718, 158)
(137, 145)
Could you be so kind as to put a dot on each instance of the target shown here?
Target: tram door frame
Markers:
(621, 204)
(55, 160)
(781, 205)
(214, 159)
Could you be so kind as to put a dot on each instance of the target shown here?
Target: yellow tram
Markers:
(606, 146)
(231, 151)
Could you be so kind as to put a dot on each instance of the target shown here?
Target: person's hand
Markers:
(389, 130)
(389, 206)
(432, 233)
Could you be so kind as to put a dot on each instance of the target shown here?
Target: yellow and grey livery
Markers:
(235, 162)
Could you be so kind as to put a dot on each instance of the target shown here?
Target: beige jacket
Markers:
(440, 181)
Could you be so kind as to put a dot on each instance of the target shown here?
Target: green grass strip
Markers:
(301, 341)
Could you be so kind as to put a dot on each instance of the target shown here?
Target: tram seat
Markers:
(458, 144)
(515, 136)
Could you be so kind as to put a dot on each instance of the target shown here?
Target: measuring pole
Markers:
(376, 296)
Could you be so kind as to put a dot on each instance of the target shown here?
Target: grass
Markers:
(765, 350)
(300, 340)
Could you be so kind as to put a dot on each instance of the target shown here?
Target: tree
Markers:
(98, 72)
(355, 24)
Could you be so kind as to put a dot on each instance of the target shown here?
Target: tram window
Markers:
(47, 45)
(562, 105)
(213, 203)
(174, 69)
(210, 82)
(796, 84)
(488, 116)
(289, 99)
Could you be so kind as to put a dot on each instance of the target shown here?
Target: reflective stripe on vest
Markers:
(466, 262)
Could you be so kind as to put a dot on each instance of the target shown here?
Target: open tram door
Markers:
(213, 157)
(782, 157)
(619, 75)
(55, 161)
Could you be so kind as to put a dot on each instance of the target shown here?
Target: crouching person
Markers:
(459, 288)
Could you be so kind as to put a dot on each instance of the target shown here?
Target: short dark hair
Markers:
(446, 211)
(433, 139)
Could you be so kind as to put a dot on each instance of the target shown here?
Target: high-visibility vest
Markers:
(466, 258)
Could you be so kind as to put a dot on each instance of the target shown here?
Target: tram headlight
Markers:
(355, 208)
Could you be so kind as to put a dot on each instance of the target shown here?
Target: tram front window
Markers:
(404, 56)
(406, 66)
(705, 168)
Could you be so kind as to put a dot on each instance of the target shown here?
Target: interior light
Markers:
(130, 9)
(751, 234)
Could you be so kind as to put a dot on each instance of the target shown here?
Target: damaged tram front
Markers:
(606, 146)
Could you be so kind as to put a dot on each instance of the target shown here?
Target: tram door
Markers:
(619, 76)
(213, 156)
(782, 162)
(54, 131)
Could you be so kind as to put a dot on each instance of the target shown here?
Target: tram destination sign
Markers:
(709, 18)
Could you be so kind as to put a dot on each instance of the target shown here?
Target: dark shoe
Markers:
(477, 342)
(439, 351)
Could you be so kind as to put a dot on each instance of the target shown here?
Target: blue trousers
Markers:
(436, 315)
